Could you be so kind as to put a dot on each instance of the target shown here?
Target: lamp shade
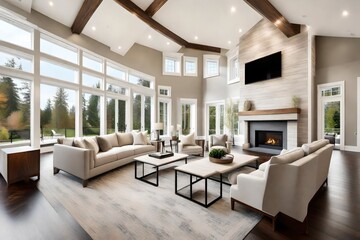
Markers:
(158, 126)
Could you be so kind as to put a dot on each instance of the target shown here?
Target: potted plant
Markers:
(220, 156)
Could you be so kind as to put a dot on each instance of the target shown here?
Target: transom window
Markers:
(15, 61)
(164, 91)
(58, 49)
(91, 62)
(190, 66)
(211, 65)
(115, 72)
(334, 91)
(172, 64)
(15, 34)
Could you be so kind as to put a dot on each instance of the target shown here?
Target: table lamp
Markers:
(157, 127)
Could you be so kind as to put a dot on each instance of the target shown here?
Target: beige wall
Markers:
(264, 39)
(338, 59)
(139, 57)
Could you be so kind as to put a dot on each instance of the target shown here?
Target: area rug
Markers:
(117, 206)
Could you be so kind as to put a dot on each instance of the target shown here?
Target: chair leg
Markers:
(85, 183)
(56, 170)
(232, 203)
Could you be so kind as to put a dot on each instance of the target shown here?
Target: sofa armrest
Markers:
(76, 161)
(250, 190)
(228, 146)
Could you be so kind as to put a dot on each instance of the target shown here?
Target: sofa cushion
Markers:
(139, 149)
(139, 138)
(263, 166)
(79, 143)
(188, 140)
(91, 144)
(106, 157)
(189, 149)
(125, 139)
(314, 146)
(66, 141)
(219, 140)
(289, 157)
(106, 142)
(219, 147)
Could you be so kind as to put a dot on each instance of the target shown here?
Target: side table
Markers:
(20, 163)
(174, 142)
(201, 143)
(159, 145)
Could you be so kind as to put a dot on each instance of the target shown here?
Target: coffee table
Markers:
(203, 169)
(156, 163)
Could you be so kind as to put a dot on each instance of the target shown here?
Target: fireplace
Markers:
(269, 139)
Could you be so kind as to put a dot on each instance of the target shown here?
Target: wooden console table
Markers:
(20, 163)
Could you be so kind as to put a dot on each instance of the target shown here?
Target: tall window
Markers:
(91, 114)
(116, 115)
(211, 65)
(215, 118)
(164, 115)
(233, 65)
(188, 115)
(141, 112)
(57, 109)
(15, 97)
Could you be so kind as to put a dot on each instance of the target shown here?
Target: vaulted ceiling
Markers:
(195, 23)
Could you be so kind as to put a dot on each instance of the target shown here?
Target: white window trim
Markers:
(168, 101)
(168, 88)
(231, 55)
(190, 59)
(213, 58)
(188, 101)
(176, 56)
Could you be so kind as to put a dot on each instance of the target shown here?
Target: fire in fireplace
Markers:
(269, 139)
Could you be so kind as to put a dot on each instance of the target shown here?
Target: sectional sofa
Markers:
(88, 157)
(286, 183)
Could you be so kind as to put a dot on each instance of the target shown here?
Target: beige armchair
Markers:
(219, 142)
(189, 145)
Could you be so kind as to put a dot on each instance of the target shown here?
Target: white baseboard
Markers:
(352, 149)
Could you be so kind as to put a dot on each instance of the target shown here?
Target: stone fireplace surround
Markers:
(272, 120)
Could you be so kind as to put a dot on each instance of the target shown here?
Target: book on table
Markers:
(161, 155)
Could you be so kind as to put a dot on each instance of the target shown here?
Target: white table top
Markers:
(163, 161)
(204, 168)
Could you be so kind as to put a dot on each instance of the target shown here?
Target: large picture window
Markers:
(15, 34)
(116, 115)
(91, 114)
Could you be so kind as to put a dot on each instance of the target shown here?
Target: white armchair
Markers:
(189, 145)
(219, 142)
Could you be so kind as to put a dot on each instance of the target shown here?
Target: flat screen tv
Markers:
(264, 68)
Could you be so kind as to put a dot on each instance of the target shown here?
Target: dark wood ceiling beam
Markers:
(134, 9)
(86, 11)
(266, 9)
(154, 7)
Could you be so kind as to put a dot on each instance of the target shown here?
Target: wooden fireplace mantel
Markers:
(270, 112)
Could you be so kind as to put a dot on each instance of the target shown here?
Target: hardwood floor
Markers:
(333, 214)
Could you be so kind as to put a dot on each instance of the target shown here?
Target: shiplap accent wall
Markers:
(264, 39)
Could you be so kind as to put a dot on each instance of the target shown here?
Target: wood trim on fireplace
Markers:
(270, 111)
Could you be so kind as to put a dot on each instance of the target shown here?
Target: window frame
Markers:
(195, 61)
(206, 59)
(177, 58)
(232, 55)
(167, 88)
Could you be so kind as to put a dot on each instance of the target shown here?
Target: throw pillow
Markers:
(125, 139)
(139, 138)
(288, 157)
(79, 143)
(188, 140)
(263, 166)
(219, 140)
(104, 143)
(314, 146)
(91, 144)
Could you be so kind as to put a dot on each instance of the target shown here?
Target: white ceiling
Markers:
(212, 21)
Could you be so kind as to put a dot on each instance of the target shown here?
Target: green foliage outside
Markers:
(332, 117)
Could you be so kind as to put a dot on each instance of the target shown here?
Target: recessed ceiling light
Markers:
(229, 42)
(119, 47)
(240, 30)
(196, 38)
(168, 43)
(277, 22)
(149, 37)
(51, 3)
(232, 9)
(93, 28)
(345, 13)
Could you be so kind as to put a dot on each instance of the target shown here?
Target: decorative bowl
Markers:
(228, 158)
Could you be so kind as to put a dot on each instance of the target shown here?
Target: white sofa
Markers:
(286, 183)
(88, 157)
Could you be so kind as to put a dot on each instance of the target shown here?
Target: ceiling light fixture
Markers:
(149, 37)
(196, 38)
(168, 43)
(277, 22)
(229, 42)
(240, 30)
(93, 28)
(232, 9)
(51, 3)
(119, 47)
(345, 13)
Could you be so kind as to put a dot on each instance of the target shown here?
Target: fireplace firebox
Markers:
(269, 139)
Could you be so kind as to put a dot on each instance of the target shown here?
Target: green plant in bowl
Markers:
(217, 153)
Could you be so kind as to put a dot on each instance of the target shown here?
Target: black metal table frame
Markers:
(144, 176)
(198, 178)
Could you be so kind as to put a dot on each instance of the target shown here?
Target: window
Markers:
(164, 115)
(115, 89)
(58, 49)
(115, 115)
(215, 116)
(164, 91)
(91, 114)
(141, 112)
(188, 111)
(139, 81)
(115, 72)
(91, 62)
(15, 34)
(15, 104)
(190, 66)
(233, 66)
(57, 111)
(91, 81)
(211, 65)
(15, 61)
(334, 91)
(53, 70)
(172, 64)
